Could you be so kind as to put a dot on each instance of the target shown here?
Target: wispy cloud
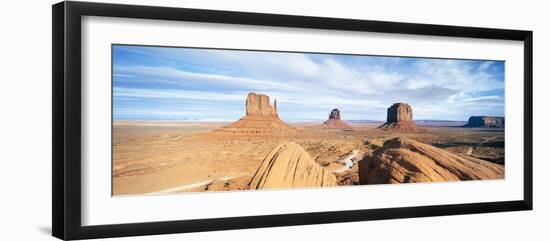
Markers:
(307, 86)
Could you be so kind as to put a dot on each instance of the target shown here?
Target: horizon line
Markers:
(302, 120)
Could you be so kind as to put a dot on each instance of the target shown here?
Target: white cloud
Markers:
(179, 77)
(485, 65)
(177, 94)
(435, 88)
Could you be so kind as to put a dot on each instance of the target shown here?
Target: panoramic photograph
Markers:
(187, 120)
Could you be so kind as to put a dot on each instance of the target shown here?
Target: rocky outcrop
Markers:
(259, 105)
(290, 166)
(334, 115)
(399, 112)
(261, 119)
(335, 122)
(229, 184)
(400, 119)
(402, 160)
(485, 121)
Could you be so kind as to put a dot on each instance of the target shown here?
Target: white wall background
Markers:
(25, 123)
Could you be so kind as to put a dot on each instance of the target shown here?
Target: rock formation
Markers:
(335, 122)
(290, 166)
(485, 121)
(399, 112)
(334, 115)
(402, 160)
(259, 105)
(261, 119)
(400, 119)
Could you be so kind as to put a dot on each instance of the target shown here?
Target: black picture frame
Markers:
(66, 127)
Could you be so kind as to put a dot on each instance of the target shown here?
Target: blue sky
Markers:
(206, 84)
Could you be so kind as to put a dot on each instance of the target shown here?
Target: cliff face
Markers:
(485, 121)
(400, 119)
(290, 166)
(399, 112)
(258, 104)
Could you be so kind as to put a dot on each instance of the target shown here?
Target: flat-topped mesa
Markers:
(335, 122)
(399, 112)
(261, 120)
(400, 119)
(485, 121)
(258, 104)
(334, 114)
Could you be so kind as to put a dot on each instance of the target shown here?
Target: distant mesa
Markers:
(400, 119)
(335, 122)
(261, 119)
(334, 115)
(485, 121)
(290, 166)
(402, 160)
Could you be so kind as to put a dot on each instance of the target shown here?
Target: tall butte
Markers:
(261, 119)
(400, 119)
(335, 121)
(259, 105)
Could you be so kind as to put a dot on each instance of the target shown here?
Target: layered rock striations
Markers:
(261, 119)
(290, 166)
(335, 122)
(400, 119)
(402, 160)
(485, 121)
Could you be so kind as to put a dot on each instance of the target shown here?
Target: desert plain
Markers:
(177, 156)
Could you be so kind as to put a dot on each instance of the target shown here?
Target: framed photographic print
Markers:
(169, 120)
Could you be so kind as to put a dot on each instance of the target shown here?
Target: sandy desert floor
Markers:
(153, 157)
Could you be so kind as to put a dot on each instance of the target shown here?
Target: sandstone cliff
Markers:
(399, 112)
(402, 160)
(400, 119)
(259, 105)
(290, 166)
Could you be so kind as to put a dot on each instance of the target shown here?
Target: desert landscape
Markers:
(261, 151)
(191, 119)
